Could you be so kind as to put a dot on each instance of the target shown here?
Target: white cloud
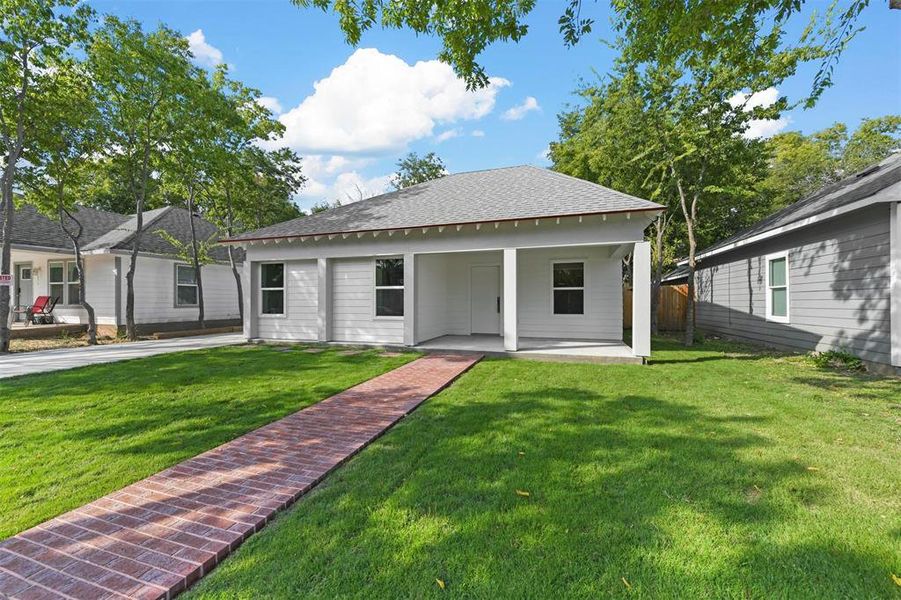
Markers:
(477, 133)
(205, 54)
(448, 135)
(764, 128)
(760, 128)
(521, 110)
(545, 154)
(376, 103)
(347, 187)
(270, 103)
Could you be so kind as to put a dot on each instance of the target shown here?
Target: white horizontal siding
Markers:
(353, 305)
(300, 321)
(603, 318)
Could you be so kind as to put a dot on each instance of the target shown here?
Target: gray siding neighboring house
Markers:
(841, 248)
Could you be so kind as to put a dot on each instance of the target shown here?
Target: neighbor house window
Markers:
(568, 288)
(272, 288)
(389, 287)
(777, 287)
(62, 277)
(185, 285)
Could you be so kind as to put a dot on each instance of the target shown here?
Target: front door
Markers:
(23, 295)
(486, 299)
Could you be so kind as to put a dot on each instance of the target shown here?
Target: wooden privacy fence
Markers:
(670, 308)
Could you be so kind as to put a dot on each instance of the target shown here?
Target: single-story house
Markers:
(517, 259)
(822, 274)
(43, 264)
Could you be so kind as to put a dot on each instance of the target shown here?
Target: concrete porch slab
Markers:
(592, 351)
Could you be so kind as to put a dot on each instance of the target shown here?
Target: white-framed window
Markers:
(25, 274)
(389, 287)
(777, 284)
(62, 281)
(272, 289)
(185, 286)
(568, 287)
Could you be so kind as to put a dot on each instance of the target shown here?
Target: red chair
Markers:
(41, 312)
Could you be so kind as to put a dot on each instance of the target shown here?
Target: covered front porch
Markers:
(593, 351)
(551, 302)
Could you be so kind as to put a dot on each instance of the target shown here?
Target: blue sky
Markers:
(377, 102)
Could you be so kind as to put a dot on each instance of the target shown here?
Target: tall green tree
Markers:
(33, 35)
(142, 80)
(58, 173)
(801, 164)
(467, 27)
(232, 192)
(413, 169)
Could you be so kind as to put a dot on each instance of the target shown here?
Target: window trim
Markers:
(769, 296)
(584, 288)
(283, 289)
(177, 284)
(64, 300)
(376, 288)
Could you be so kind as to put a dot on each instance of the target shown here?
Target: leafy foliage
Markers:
(413, 169)
(801, 164)
(840, 360)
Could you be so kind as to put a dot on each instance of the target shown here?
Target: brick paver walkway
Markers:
(156, 537)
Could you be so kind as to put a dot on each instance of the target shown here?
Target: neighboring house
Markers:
(821, 274)
(43, 264)
(516, 253)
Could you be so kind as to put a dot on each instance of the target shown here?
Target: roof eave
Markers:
(655, 209)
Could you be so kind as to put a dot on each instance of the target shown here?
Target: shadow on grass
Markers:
(673, 498)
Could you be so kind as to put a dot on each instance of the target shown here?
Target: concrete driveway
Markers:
(44, 361)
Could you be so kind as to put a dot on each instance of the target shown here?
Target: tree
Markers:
(58, 171)
(801, 164)
(413, 169)
(233, 191)
(141, 79)
(33, 35)
(467, 27)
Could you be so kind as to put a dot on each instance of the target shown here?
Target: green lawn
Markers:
(715, 472)
(69, 437)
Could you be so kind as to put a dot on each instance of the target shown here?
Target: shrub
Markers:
(841, 360)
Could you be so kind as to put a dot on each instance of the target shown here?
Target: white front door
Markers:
(485, 293)
(24, 291)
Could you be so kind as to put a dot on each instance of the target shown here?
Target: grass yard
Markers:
(715, 472)
(69, 437)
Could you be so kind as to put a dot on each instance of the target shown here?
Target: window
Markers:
(272, 288)
(568, 288)
(185, 286)
(777, 287)
(25, 274)
(389, 287)
(63, 283)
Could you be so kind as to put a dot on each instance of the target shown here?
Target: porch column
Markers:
(895, 295)
(324, 300)
(641, 299)
(511, 331)
(250, 300)
(409, 299)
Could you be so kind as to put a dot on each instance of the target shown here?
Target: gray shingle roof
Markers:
(31, 228)
(504, 194)
(868, 182)
(104, 230)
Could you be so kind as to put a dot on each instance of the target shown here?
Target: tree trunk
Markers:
(6, 216)
(195, 259)
(75, 238)
(659, 232)
(690, 214)
(229, 231)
